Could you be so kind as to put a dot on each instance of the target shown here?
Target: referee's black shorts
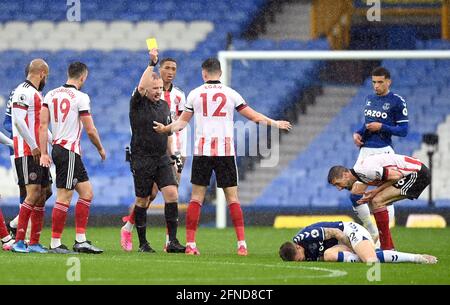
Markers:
(29, 172)
(70, 169)
(148, 170)
(224, 168)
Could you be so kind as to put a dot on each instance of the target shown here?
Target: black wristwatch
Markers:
(152, 64)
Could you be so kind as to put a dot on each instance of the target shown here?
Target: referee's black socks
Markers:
(171, 214)
(140, 219)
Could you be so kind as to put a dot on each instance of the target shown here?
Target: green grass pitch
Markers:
(219, 264)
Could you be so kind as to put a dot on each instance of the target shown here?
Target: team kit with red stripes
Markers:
(176, 100)
(66, 104)
(26, 104)
(213, 105)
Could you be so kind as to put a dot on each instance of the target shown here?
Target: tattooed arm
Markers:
(330, 233)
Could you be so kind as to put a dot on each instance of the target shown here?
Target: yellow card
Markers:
(151, 43)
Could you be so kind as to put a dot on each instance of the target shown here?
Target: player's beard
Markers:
(41, 84)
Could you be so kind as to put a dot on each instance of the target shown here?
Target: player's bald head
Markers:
(37, 66)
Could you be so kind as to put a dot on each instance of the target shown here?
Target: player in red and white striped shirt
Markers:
(176, 99)
(68, 110)
(26, 107)
(213, 106)
(396, 176)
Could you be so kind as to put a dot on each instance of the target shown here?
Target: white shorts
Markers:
(356, 233)
(13, 167)
(367, 151)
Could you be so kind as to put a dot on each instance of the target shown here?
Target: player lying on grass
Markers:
(343, 242)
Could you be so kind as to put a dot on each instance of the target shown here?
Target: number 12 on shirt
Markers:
(215, 98)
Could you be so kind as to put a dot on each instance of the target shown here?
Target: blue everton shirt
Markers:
(390, 110)
(311, 238)
(7, 122)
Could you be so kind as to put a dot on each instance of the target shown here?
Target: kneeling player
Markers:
(343, 242)
(396, 176)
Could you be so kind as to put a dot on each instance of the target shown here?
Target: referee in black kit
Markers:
(150, 161)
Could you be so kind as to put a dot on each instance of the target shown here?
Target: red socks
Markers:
(59, 216)
(193, 216)
(192, 219)
(37, 222)
(24, 217)
(382, 218)
(131, 217)
(3, 230)
(82, 215)
(238, 220)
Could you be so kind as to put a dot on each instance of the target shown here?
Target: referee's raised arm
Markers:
(146, 79)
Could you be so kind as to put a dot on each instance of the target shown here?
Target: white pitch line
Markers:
(330, 273)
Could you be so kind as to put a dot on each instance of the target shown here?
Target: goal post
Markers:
(226, 58)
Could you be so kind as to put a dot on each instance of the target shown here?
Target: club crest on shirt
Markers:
(33, 176)
(22, 97)
(386, 106)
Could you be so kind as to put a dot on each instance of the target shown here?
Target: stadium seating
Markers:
(112, 43)
(304, 183)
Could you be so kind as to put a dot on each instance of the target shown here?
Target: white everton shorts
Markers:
(367, 151)
(13, 167)
(356, 233)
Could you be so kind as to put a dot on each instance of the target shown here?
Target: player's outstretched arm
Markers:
(257, 117)
(93, 135)
(44, 117)
(170, 151)
(178, 125)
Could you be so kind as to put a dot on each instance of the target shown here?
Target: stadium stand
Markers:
(304, 182)
(112, 43)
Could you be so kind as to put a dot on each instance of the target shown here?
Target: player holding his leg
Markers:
(343, 242)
